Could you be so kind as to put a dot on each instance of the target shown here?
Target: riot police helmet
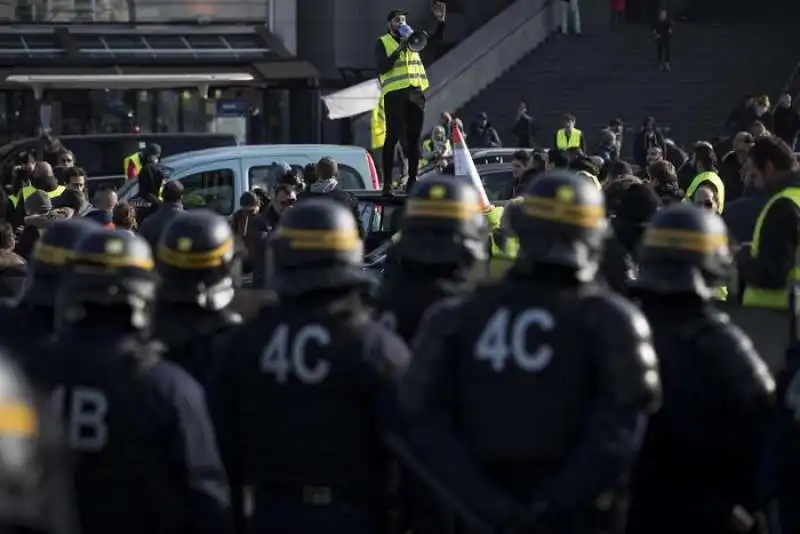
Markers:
(194, 259)
(110, 271)
(34, 494)
(50, 258)
(561, 221)
(684, 250)
(316, 247)
(442, 224)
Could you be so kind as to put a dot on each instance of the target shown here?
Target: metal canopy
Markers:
(31, 45)
(116, 45)
(135, 44)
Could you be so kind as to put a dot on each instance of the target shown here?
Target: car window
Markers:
(499, 185)
(494, 158)
(265, 177)
(98, 157)
(212, 190)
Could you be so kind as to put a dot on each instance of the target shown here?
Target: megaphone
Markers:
(416, 40)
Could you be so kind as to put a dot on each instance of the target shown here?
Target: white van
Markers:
(221, 175)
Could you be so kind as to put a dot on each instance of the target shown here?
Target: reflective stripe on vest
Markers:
(573, 141)
(715, 180)
(26, 192)
(502, 258)
(56, 192)
(777, 299)
(426, 145)
(131, 165)
(408, 71)
(494, 218)
(720, 293)
(592, 177)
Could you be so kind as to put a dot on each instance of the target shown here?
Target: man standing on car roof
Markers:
(403, 84)
(133, 163)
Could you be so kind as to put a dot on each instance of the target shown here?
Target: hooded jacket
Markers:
(34, 224)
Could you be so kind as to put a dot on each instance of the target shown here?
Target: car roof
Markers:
(498, 150)
(209, 155)
(493, 167)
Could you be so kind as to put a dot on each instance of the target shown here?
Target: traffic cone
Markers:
(465, 167)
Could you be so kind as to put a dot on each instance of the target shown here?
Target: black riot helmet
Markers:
(443, 224)
(111, 278)
(561, 221)
(34, 478)
(194, 259)
(684, 250)
(50, 258)
(317, 246)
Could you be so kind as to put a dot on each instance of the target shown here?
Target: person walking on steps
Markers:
(662, 33)
(570, 13)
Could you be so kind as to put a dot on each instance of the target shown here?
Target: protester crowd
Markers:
(323, 413)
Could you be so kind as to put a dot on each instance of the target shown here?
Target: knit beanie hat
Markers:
(38, 203)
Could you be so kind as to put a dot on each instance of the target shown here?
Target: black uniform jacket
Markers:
(301, 396)
(146, 458)
(532, 391)
(703, 448)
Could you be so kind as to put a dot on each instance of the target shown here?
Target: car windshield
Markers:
(123, 191)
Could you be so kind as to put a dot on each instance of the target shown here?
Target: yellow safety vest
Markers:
(777, 299)
(500, 258)
(573, 141)
(133, 159)
(715, 180)
(408, 71)
(56, 192)
(592, 177)
(377, 126)
(428, 145)
(26, 192)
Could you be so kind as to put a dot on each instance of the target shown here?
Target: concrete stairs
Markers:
(605, 74)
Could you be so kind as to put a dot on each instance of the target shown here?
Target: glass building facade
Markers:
(67, 111)
(87, 11)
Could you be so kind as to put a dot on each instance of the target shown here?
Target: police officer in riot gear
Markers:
(310, 380)
(146, 455)
(527, 399)
(35, 493)
(32, 316)
(194, 258)
(700, 458)
(443, 235)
